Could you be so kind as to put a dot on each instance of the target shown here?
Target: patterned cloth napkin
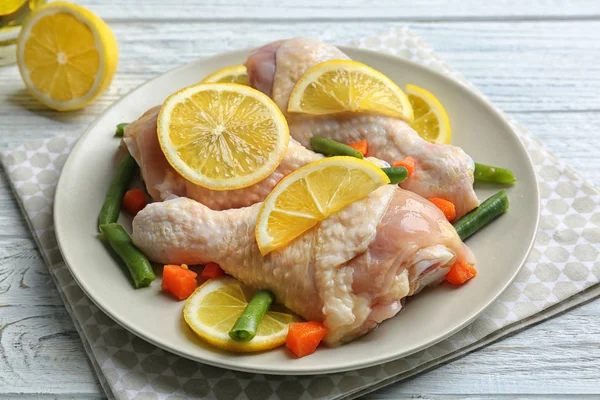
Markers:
(562, 271)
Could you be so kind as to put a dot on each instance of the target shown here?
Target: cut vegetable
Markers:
(138, 265)
(247, 324)
(304, 337)
(134, 201)
(212, 271)
(331, 148)
(361, 146)
(120, 130)
(487, 211)
(214, 307)
(116, 191)
(460, 273)
(487, 173)
(447, 207)
(396, 174)
(312, 193)
(178, 281)
(409, 163)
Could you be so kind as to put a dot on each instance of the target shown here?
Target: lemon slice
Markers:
(431, 121)
(338, 86)
(10, 6)
(67, 56)
(212, 310)
(236, 74)
(311, 194)
(222, 135)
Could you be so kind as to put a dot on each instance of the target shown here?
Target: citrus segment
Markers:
(221, 135)
(236, 74)
(212, 310)
(338, 86)
(431, 120)
(311, 194)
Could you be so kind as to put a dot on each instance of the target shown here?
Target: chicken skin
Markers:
(351, 271)
(162, 181)
(442, 170)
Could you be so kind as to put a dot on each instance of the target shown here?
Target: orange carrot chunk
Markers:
(361, 146)
(446, 206)
(460, 272)
(179, 281)
(304, 337)
(409, 163)
(211, 271)
(134, 201)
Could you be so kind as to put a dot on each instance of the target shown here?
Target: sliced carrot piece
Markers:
(361, 146)
(303, 338)
(460, 272)
(447, 207)
(179, 281)
(409, 163)
(211, 271)
(134, 201)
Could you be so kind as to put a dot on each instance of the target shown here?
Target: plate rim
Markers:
(299, 370)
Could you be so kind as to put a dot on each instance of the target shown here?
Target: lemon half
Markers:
(67, 56)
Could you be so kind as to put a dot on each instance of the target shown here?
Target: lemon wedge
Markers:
(236, 74)
(222, 135)
(212, 310)
(431, 121)
(338, 86)
(311, 194)
(67, 56)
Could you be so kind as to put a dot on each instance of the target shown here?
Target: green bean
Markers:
(120, 182)
(330, 148)
(487, 173)
(138, 265)
(246, 326)
(487, 211)
(120, 129)
(396, 174)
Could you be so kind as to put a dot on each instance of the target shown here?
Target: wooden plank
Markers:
(539, 70)
(565, 348)
(40, 351)
(557, 357)
(521, 67)
(37, 334)
(337, 10)
(572, 136)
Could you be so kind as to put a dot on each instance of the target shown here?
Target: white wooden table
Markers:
(538, 61)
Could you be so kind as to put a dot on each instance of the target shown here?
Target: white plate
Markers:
(431, 316)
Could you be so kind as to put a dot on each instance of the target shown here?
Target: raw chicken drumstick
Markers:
(350, 272)
(163, 181)
(443, 171)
